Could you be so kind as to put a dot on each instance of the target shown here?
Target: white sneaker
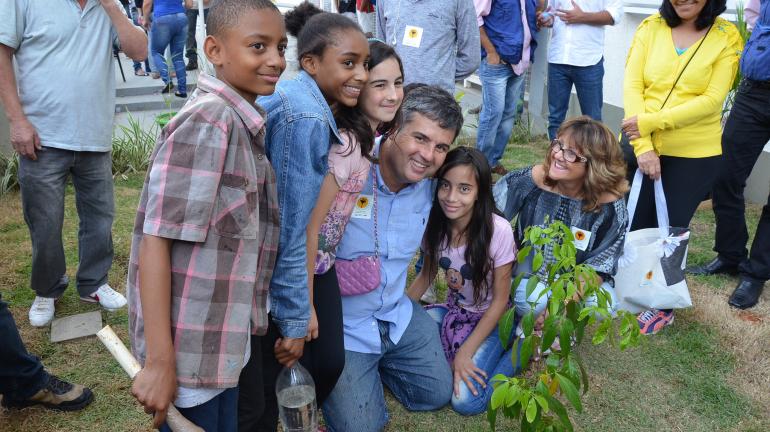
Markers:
(107, 297)
(430, 295)
(42, 311)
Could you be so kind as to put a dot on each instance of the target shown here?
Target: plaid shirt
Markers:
(211, 189)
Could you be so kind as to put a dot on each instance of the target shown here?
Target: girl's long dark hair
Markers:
(478, 234)
(352, 119)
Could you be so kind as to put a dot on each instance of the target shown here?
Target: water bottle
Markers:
(296, 399)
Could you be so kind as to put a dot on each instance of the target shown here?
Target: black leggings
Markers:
(686, 182)
(324, 358)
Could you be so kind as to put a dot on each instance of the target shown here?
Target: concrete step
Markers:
(148, 102)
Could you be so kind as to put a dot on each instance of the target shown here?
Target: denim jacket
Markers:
(300, 129)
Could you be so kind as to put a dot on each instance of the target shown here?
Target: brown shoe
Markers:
(500, 170)
(58, 395)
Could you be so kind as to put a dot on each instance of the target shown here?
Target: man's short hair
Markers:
(434, 103)
(224, 14)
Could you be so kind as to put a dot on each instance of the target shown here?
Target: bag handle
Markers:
(374, 205)
(661, 208)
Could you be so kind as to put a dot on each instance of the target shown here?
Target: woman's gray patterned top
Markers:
(517, 196)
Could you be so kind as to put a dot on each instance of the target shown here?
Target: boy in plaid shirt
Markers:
(206, 231)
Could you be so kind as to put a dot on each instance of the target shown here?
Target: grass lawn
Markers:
(709, 371)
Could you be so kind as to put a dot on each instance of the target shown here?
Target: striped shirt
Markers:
(211, 189)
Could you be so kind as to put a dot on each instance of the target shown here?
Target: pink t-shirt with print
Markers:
(350, 169)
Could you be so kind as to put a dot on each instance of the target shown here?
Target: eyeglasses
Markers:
(569, 154)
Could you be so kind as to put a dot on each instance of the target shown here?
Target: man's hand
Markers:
(630, 127)
(465, 370)
(155, 388)
(544, 19)
(493, 58)
(312, 325)
(571, 16)
(288, 350)
(24, 138)
(649, 163)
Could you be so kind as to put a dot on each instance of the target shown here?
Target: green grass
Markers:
(688, 378)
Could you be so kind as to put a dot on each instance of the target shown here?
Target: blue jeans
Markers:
(492, 358)
(588, 84)
(220, 414)
(43, 182)
(170, 30)
(21, 374)
(133, 13)
(415, 370)
(501, 90)
(522, 303)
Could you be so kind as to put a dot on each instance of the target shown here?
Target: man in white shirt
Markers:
(576, 55)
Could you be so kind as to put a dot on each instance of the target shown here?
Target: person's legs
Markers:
(42, 183)
(92, 178)
(513, 91)
(324, 357)
(160, 36)
(257, 402)
(559, 90)
(415, 369)
(251, 393)
(492, 359)
(21, 374)
(686, 183)
(217, 415)
(357, 402)
(178, 36)
(494, 84)
(746, 132)
(589, 85)
(191, 51)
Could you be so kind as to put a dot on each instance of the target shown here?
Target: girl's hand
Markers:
(630, 127)
(649, 163)
(155, 388)
(312, 325)
(465, 369)
(288, 350)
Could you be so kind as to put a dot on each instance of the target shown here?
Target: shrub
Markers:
(132, 146)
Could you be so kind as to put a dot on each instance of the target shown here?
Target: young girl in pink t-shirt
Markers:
(473, 244)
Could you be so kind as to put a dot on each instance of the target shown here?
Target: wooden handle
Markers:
(176, 421)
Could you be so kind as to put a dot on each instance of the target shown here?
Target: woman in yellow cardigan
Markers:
(674, 125)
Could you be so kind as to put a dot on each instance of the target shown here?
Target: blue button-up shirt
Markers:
(300, 129)
(401, 219)
(755, 61)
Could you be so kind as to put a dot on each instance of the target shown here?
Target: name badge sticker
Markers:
(582, 237)
(412, 36)
(363, 207)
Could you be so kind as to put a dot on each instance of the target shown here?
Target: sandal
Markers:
(140, 72)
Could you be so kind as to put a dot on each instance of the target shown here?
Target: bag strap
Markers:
(661, 208)
(374, 205)
(685, 66)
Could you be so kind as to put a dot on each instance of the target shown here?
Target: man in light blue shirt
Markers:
(60, 111)
(388, 338)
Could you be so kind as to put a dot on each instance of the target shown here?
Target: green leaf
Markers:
(523, 253)
(526, 352)
(565, 337)
(505, 327)
(512, 395)
(542, 402)
(528, 323)
(537, 261)
(531, 410)
(560, 411)
(549, 332)
(532, 284)
(498, 379)
(498, 396)
(570, 392)
(492, 418)
(583, 372)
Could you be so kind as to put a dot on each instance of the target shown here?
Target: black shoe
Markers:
(746, 294)
(57, 395)
(716, 266)
(167, 89)
(191, 65)
(180, 95)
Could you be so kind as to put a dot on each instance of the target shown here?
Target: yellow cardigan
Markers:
(689, 125)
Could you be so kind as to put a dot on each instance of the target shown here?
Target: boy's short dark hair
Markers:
(224, 14)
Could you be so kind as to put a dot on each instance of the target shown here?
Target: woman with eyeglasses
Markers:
(581, 183)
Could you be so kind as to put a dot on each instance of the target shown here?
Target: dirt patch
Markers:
(746, 334)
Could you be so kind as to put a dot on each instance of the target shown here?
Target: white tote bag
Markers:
(651, 271)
